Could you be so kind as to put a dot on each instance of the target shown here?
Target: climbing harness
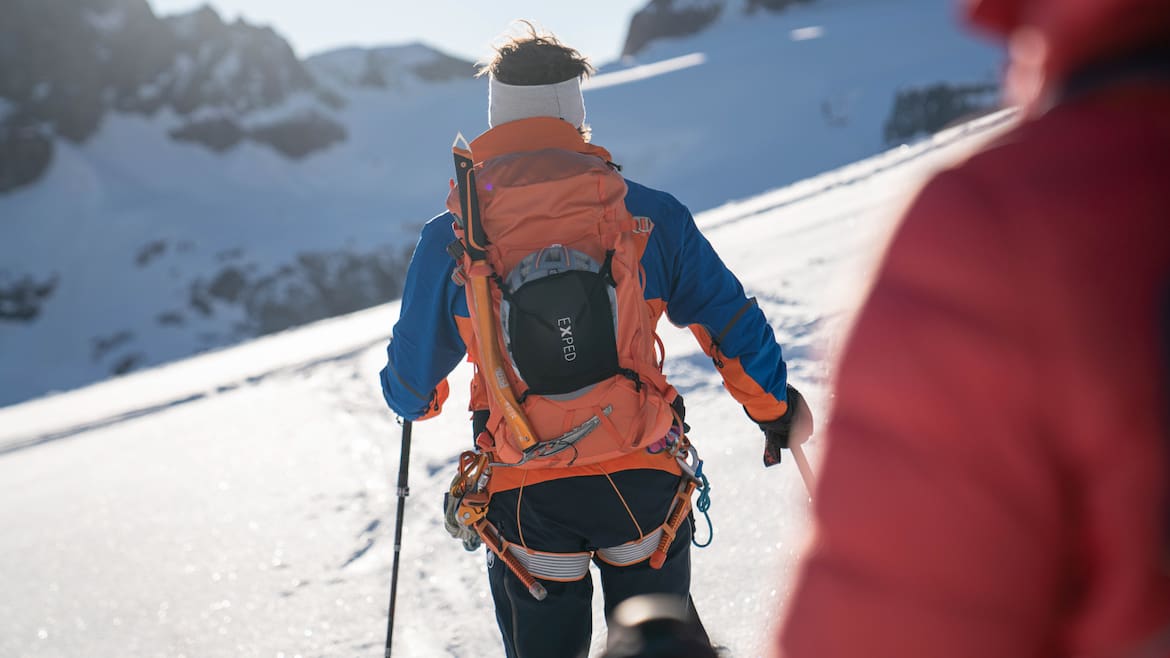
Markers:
(470, 489)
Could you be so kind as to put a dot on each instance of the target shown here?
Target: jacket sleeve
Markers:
(704, 295)
(938, 509)
(425, 345)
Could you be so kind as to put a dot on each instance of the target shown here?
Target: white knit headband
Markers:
(562, 100)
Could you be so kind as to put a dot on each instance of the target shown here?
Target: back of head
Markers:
(534, 74)
(535, 58)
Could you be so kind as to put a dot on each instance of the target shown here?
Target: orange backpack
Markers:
(564, 339)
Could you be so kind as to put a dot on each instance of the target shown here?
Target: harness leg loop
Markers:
(491, 539)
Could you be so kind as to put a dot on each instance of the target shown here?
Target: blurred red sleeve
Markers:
(938, 513)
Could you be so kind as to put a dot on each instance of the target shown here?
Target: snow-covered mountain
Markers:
(67, 65)
(239, 503)
(397, 68)
(665, 19)
(209, 187)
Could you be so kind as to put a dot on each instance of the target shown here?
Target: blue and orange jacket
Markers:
(685, 279)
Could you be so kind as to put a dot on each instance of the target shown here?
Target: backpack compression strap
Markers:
(475, 242)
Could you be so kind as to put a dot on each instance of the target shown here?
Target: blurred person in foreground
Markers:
(995, 478)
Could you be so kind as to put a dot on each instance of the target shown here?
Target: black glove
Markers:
(793, 428)
(681, 409)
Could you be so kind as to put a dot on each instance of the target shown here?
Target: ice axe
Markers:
(790, 432)
(802, 431)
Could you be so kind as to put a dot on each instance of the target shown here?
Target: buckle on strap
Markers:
(635, 224)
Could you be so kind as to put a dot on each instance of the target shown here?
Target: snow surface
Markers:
(742, 107)
(643, 71)
(240, 503)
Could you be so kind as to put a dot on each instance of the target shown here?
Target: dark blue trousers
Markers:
(572, 515)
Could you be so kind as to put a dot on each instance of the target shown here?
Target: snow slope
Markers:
(163, 249)
(240, 503)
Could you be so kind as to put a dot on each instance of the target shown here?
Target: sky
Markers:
(465, 28)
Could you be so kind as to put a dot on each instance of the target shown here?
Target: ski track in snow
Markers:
(644, 71)
(241, 503)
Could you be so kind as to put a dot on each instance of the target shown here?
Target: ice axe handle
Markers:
(492, 540)
(537, 590)
(682, 507)
(806, 472)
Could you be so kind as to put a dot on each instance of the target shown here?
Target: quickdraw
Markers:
(692, 471)
(470, 488)
(560, 443)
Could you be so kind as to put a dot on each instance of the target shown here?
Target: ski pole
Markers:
(806, 473)
(403, 492)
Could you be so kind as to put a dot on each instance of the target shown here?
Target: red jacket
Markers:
(995, 482)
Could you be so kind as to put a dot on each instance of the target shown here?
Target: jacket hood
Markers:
(1068, 34)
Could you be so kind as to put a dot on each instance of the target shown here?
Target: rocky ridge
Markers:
(664, 19)
(66, 64)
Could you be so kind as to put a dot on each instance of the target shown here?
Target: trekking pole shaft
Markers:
(802, 465)
(403, 492)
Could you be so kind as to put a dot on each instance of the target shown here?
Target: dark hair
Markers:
(536, 59)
